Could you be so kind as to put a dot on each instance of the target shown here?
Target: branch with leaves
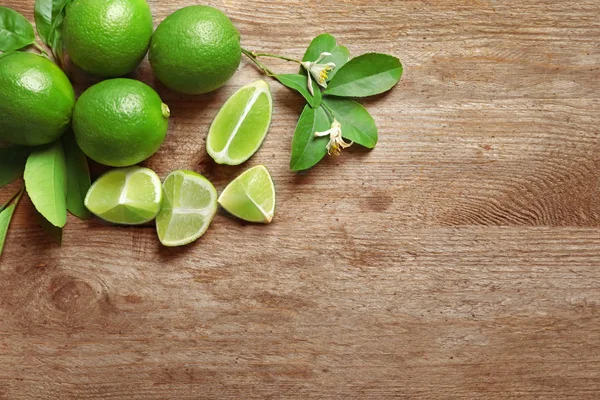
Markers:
(328, 80)
(56, 175)
(16, 32)
(49, 17)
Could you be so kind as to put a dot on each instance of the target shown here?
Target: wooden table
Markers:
(459, 259)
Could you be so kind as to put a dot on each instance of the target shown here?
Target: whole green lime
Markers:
(36, 100)
(108, 38)
(120, 122)
(195, 50)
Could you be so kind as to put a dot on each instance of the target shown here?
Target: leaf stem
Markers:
(329, 110)
(259, 64)
(276, 56)
(40, 49)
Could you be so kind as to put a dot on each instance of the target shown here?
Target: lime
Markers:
(108, 38)
(188, 207)
(250, 196)
(241, 124)
(127, 196)
(36, 100)
(195, 50)
(120, 122)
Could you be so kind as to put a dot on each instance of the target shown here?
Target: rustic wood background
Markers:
(459, 259)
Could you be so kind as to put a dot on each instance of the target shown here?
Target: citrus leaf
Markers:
(308, 150)
(339, 56)
(326, 43)
(12, 163)
(6, 214)
(56, 44)
(46, 182)
(15, 31)
(320, 44)
(299, 83)
(366, 75)
(55, 41)
(46, 13)
(357, 123)
(5, 218)
(78, 177)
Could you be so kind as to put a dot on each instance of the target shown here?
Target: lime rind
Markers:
(128, 196)
(189, 205)
(250, 196)
(250, 118)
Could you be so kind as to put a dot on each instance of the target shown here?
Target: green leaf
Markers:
(46, 13)
(5, 218)
(340, 56)
(12, 163)
(357, 123)
(366, 75)
(308, 150)
(46, 182)
(300, 84)
(53, 232)
(326, 43)
(6, 214)
(322, 43)
(55, 40)
(78, 177)
(56, 44)
(15, 31)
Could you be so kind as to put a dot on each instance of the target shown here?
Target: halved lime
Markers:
(188, 207)
(127, 196)
(251, 196)
(241, 124)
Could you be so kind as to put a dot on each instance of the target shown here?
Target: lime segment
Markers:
(241, 124)
(188, 206)
(128, 196)
(251, 196)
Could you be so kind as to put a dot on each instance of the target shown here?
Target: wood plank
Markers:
(460, 258)
(463, 311)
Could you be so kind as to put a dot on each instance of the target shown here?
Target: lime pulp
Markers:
(251, 196)
(189, 204)
(128, 196)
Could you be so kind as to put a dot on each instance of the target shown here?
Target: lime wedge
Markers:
(127, 196)
(241, 125)
(188, 207)
(251, 196)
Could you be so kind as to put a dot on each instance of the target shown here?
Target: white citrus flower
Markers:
(318, 71)
(336, 142)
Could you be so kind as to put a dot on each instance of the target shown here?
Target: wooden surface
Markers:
(459, 259)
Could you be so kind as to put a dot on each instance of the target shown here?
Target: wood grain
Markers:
(458, 259)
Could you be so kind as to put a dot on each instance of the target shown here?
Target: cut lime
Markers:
(241, 124)
(188, 207)
(251, 196)
(127, 196)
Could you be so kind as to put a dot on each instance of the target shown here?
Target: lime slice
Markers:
(188, 207)
(127, 196)
(241, 125)
(251, 196)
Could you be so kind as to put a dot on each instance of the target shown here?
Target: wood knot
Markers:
(72, 295)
